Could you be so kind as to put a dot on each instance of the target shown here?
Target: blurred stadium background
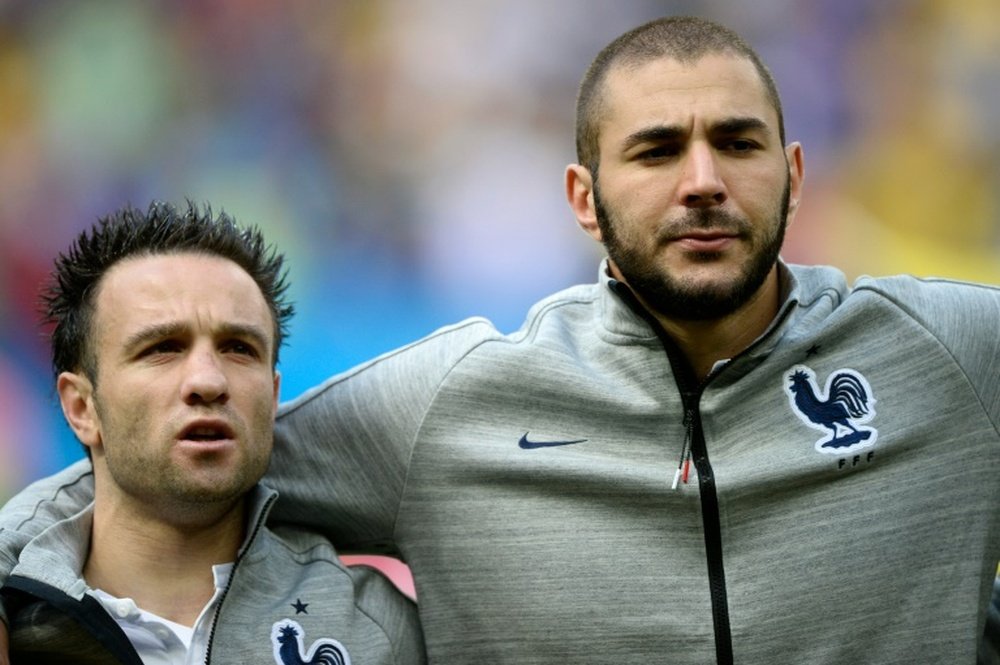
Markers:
(408, 154)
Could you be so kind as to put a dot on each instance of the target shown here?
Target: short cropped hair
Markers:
(68, 299)
(682, 38)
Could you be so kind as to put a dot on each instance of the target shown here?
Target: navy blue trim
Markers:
(88, 612)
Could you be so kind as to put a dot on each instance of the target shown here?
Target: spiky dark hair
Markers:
(68, 298)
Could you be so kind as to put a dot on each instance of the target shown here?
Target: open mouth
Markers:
(207, 432)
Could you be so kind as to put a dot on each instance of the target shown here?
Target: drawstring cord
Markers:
(684, 465)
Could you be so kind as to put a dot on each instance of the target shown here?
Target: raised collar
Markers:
(806, 291)
(56, 556)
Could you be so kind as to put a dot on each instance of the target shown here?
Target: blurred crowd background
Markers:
(408, 154)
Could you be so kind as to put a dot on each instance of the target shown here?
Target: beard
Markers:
(688, 300)
(140, 465)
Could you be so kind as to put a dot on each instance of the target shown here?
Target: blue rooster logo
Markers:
(287, 640)
(840, 411)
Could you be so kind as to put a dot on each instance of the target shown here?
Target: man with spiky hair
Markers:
(167, 327)
(708, 455)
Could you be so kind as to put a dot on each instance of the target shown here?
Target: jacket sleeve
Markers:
(964, 317)
(342, 450)
(40, 505)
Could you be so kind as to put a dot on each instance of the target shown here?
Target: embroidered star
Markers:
(813, 350)
(300, 607)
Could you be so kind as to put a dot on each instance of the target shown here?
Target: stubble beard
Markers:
(176, 493)
(682, 300)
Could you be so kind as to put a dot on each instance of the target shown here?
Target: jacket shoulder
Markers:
(936, 302)
(962, 316)
(40, 505)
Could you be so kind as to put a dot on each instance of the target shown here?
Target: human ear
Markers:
(580, 195)
(76, 396)
(277, 392)
(796, 175)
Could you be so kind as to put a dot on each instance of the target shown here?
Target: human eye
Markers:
(241, 348)
(161, 348)
(740, 145)
(657, 153)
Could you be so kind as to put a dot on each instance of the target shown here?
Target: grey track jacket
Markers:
(841, 503)
(287, 596)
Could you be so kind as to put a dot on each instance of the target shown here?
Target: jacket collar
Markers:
(56, 556)
(806, 292)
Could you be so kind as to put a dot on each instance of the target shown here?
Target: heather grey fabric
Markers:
(841, 507)
(282, 576)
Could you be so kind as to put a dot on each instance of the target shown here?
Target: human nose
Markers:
(205, 381)
(701, 183)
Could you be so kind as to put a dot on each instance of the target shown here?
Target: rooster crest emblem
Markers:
(287, 640)
(840, 411)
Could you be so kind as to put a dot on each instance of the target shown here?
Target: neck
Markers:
(165, 567)
(704, 343)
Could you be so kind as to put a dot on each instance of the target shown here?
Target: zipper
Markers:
(712, 524)
(232, 575)
(695, 449)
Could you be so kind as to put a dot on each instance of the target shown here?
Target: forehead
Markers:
(199, 291)
(665, 91)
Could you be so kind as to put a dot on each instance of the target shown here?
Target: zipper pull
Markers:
(684, 465)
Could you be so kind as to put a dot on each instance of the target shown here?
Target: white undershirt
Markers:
(162, 642)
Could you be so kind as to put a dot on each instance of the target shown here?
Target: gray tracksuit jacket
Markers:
(288, 597)
(840, 505)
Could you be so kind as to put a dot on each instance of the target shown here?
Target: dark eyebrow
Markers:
(152, 333)
(740, 125)
(673, 133)
(658, 134)
(174, 329)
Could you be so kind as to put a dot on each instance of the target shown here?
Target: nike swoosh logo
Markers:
(532, 445)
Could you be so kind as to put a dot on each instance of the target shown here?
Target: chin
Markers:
(715, 279)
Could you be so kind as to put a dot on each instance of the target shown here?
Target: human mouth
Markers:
(706, 240)
(207, 433)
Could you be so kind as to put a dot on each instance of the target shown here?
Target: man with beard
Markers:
(167, 326)
(683, 462)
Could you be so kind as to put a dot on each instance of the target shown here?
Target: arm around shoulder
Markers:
(354, 433)
(40, 505)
